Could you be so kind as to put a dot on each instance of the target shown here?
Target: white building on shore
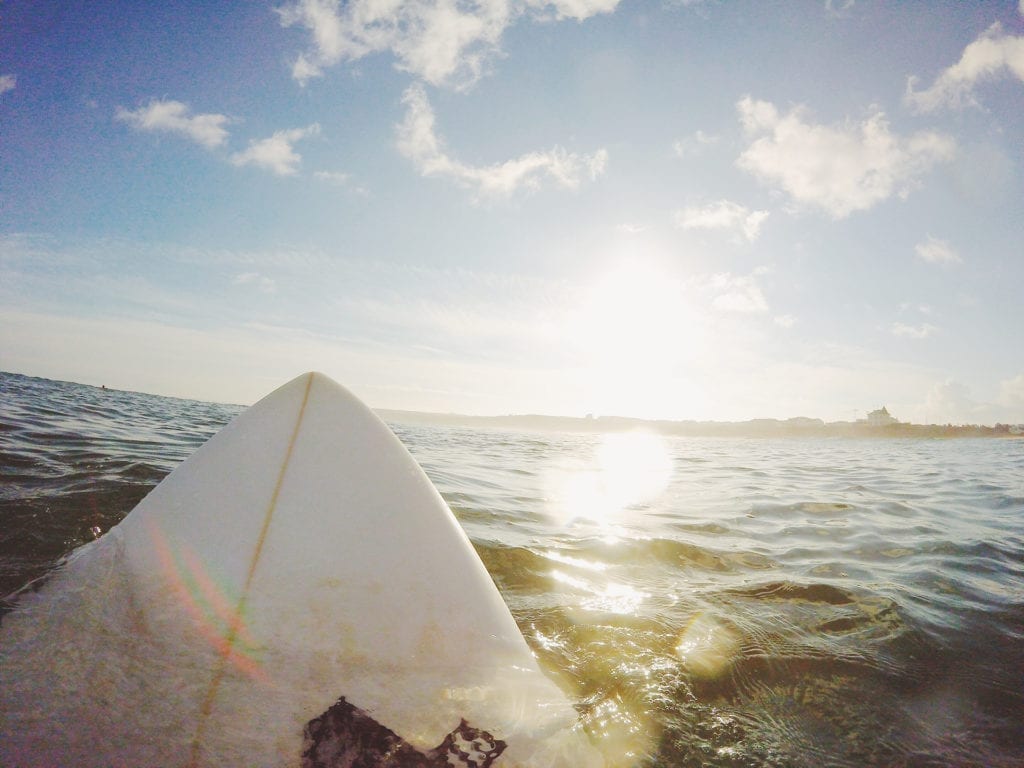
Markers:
(879, 418)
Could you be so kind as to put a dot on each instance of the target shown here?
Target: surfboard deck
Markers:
(297, 573)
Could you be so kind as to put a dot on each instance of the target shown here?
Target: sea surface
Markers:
(706, 602)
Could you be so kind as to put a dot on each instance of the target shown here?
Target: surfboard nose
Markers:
(300, 556)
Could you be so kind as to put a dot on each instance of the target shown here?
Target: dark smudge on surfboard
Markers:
(347, 737)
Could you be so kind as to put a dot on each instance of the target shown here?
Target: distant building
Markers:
(879, 418)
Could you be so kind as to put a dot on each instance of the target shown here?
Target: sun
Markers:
(637, 334)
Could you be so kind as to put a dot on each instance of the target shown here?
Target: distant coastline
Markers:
(799, 426)
(794, 427)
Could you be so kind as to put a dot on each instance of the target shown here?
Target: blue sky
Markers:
(710, 210)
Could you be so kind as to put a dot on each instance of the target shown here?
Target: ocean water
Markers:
(705, 602)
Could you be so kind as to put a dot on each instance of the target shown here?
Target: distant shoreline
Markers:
(796, 427)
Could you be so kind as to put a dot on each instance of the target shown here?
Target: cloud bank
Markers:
(418, 141)
(991, 56)
(839, 169)
(8, 83)
(439, 41)
(170, 116)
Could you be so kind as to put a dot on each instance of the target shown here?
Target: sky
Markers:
(685, 209)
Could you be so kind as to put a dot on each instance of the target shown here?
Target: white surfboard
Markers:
(300, 560)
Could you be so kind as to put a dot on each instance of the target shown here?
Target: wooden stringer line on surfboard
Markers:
(236, 619)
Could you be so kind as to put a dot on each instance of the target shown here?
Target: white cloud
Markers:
(922, 331)
(341, 179)
(723, 214)
(439, 41)
(936, 251)
(337, 178)
(629, 228)
(987, 58)
(838, 168)
(418, 141)
(737, 293)
(173, 117)
(838, 7)
(951, 402)
(693, 145)
(8, 83)
(276, 153)
(571, 9)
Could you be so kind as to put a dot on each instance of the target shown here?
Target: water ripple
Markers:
(789, 603)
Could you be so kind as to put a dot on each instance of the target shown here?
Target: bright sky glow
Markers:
(684, 209)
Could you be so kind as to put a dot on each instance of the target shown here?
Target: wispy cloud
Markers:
(418, 141)
(171, 116)
(439, 41)
(8, 83)
(693, 144)
(837, 168)
(630, 228)
(784, 321)
(723, 215)
(921, 331)
(991, 56)
(337, 178)
(936, 251)
(342, 180)
(838, 7)
(256, 280)
(276, 153)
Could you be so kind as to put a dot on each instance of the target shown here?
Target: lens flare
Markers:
(215, 612)
(707, 647)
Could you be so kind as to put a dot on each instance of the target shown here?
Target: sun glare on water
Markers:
(627, 469)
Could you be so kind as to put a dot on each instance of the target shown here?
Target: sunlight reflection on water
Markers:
(625, 469)
(711, 602)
